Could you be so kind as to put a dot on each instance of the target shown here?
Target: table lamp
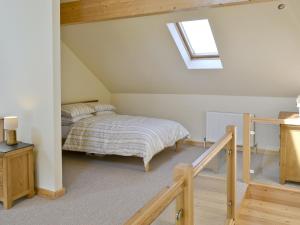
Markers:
(10, 127)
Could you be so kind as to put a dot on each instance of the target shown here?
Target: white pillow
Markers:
(69, 121)
(105, 113)
(75, 110)
(98, 107)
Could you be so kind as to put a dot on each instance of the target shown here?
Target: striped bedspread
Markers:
(124, 135)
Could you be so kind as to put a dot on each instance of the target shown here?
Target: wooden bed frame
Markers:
(147, 166)
(87, 101)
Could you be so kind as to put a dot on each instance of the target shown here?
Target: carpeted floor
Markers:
(100, 191)
(108, 190)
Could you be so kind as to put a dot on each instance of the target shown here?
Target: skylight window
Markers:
(196, 44)
(198, 38)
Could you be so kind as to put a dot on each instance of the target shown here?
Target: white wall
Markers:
(78, 83)
(190, 110)
(30, 80)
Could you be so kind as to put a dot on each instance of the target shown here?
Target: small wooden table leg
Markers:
(7, 204)
(31, 194)
(31, 174)
(7, 200)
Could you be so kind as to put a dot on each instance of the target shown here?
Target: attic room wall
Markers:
(190, 111)
(30, 80)
(78, 83)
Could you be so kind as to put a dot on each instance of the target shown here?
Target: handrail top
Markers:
(292, 121)
(209, 154)
(162, 199)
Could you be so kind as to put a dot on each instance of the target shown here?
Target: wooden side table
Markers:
(16, 172)
(290, 148)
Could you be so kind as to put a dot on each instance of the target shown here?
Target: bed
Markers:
(109, 133)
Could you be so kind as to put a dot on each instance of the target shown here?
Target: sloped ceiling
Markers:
(259, 47)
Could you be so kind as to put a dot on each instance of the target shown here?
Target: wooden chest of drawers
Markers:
(16, 172)
(289, 149)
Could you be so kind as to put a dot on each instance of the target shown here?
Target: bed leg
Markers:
(178, 145)
(147, 167)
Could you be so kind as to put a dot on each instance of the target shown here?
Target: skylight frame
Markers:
(188, 46)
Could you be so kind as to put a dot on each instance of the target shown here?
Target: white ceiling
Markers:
(259, 47)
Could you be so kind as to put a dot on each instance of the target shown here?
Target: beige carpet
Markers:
(100, 191)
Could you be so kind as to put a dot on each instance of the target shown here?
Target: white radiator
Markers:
(216, 123)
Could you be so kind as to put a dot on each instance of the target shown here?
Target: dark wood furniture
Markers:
(290, 148)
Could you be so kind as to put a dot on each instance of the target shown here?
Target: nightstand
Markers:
(16, 172)
(290, 147)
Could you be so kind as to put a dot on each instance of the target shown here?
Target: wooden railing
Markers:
(182, 189)
(248, 120)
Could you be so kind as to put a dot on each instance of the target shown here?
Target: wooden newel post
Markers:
(246, 148)
(231, 173)
(185, 201)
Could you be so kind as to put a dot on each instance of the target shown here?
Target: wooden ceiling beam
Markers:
(85, 11)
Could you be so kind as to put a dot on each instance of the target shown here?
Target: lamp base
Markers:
(11, 137)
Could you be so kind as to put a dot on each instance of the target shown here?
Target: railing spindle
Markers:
(246, 148)
(231, 174)
(185, 201)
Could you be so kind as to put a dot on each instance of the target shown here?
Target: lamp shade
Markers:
(10, 123)
(298, 101)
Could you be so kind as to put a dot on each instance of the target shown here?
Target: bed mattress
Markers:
(124, 135)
